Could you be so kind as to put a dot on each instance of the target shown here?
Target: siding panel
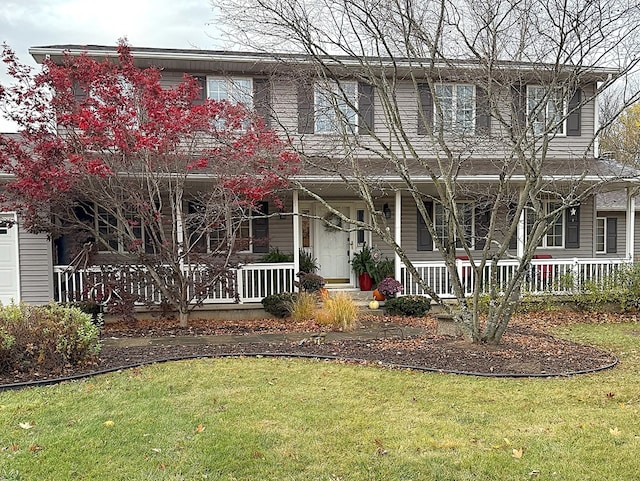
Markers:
(36, 273)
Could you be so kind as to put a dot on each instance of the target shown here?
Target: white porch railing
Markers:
(557, 276)
(252, 283)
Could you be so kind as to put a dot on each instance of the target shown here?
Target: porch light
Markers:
(386, 211)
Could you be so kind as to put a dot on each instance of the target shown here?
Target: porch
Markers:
(250, 283)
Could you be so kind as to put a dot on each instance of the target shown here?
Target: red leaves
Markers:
(87, 120)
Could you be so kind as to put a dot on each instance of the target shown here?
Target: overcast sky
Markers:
(146, 23)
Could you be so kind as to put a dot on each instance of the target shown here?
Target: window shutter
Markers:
(574, 114)
(483, 112)
(425, 109)
(612, 235)
(425, 243)
(260, 229)
(519, 107)
(482, 221)
(262, 99)
(365, 108)
(572, 229)
(202, 81)
(305, 108)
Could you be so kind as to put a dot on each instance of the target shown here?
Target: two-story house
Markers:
(401, 122)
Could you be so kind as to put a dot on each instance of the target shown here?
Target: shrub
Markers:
(275, 255)
(339, 311)
(46, 337)
(384, 268)
(304, 306)
(279, 304)
(310, 282)
(408, 306)
(308, 263)
(622, 289)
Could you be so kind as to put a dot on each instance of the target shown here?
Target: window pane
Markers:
(218, 89)
(334, 107)
(600, 234)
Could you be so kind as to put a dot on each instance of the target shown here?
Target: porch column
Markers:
(630, 224)
(398, 232)
(296, 233)
(520, 235)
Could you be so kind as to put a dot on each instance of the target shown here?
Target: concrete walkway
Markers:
(375, 330)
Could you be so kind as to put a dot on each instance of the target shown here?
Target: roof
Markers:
(190, 60)
(615, 201)
(476, 170)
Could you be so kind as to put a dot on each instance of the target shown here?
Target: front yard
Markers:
(275, 419)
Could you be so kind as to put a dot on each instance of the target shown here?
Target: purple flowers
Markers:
(389, 286)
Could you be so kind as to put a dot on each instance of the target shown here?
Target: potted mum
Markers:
(389, 287)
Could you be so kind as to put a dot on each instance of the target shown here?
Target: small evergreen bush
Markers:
(46, 337)
(279, 304)
(408, 306)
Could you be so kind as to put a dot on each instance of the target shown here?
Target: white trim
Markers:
(631, 224)
(296, 231)
(398, 233)
(280, 58)
(604, 233)
(16, 246)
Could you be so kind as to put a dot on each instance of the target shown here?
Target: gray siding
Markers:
(36, 272)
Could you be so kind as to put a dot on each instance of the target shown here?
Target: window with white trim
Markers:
(216, 237)
(335, 106)
(465, 218)
(458, 104)
(546, 110)
(554, 236)
(237, 90)
(118, 237)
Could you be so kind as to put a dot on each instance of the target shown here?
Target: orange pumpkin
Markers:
(378, 296)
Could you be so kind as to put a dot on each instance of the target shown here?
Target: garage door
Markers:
(9, 283)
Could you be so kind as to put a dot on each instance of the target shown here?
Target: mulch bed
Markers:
(527, 349)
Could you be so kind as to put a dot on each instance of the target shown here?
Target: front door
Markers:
(332, 247)
(9, 285)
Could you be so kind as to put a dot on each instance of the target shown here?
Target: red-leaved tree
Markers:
(144, 178)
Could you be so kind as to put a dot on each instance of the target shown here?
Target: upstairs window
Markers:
(546, 110)
(335, 107)
(457, 103)
(236, 90)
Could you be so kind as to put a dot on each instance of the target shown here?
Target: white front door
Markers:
(9, 274)
(332, 247)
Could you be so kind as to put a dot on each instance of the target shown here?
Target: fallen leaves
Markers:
(25, 425)
(199, 429)
(108, 424)
(517, 453)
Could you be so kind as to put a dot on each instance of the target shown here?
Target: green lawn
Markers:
(270, 419)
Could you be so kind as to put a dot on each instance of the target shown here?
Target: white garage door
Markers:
(9, 279)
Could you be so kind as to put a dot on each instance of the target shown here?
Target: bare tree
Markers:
(529, 67)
